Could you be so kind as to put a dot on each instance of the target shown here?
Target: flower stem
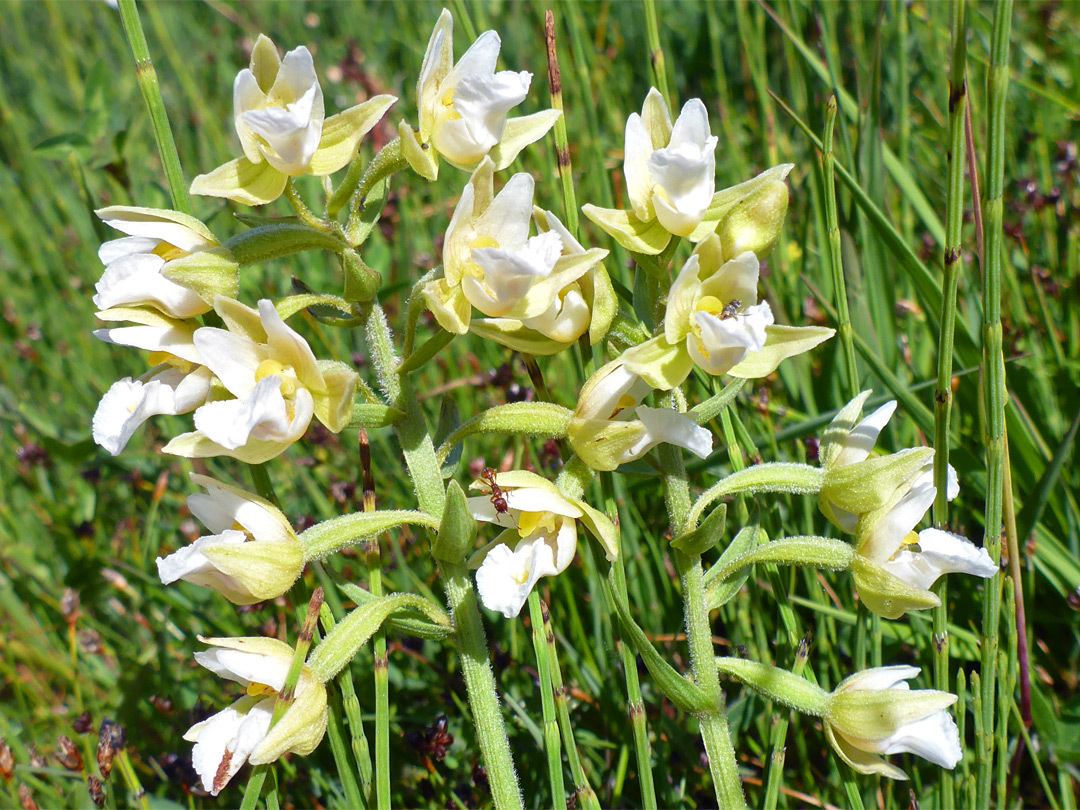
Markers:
(480, 685)
(656, 52)
(562, 144)
(155, 105)
(552, 737)
(995, 395)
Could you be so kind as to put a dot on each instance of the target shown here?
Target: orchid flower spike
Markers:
(539, 537)
(587, 304)
(242, 733)
(252, 555)
(464, 107)
(276, 383)
(279, 115)
(874, 713)
(610, 427)
(491, 263)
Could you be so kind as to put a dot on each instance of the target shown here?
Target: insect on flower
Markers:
(498, 496)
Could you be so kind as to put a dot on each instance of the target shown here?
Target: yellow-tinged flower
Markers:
(278, 112)
(463, 107)
(242, 733)
(275, 382)
(490, 261)
(252, 555)
(874, 713)
(539, 537)
(586, 304)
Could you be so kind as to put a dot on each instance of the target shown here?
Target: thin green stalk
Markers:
(995, 395)
(260, 476)
(585, 793)
(286, 695)
(480, 685)
(943, 396)
(562, 145)
(656, 53)
(779, 747)
(828, 164)
(155, 105)
(373, 560)
(635, 703)
(552, 737)
(357, 737)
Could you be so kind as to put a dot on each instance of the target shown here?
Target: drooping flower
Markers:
(874, 713)
(134, 263)
(894, 567)
(276, 383)
(279, 115)
(586, 304)
(610, 427)
(252, 555)
(539, 537)
(464, 106)
(242, 733)
(490, 262)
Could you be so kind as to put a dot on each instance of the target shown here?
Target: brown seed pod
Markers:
(7, 761)
(97, 791)
(68, 755)
(26, 798)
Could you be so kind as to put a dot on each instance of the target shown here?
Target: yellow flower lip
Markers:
(256, 689)
(167, 358)
(270, 368)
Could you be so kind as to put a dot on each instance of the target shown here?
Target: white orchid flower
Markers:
(585, 305)
(242, 733)
(670, 178)
(874, 713)
(490, 262)
(464, 106)
(280, 118)
(894, 567)
(252, 555)
(610, 427)
(276, 382)
(540, 537)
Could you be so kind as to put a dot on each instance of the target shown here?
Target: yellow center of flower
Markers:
(532, 522)
(236, 527)
(272, 368)
(910, 543)
(257, 689)
(157, 358)
(625, 401)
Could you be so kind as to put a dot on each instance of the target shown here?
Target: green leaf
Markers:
(719, 590)
(705, 536)
(457, 531)
(332, 535)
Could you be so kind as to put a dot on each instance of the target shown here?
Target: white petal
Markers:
(687, 174)
(151, 226)
(245, 667)
(482, 101)
(136, 279)
(566, 320)
(506, 220)
(506, 578)
(934, 738)
(637, 149)
(671, 427)
(571, 246)
(692, 126)
(878, 678)
(229, 733)
(126, 405)
(862, 438)
(232, 422)
(529, 499)
(941, 553)
(233, 358)
(247, 96)
(115, 249)
(736, 280)
(725, 342)
(480, 59)
(565, 544)
(889, 532)
(191, 564)
(508, 274)
(952, 486)
(290, 134)
(174, 340)
(295, 78)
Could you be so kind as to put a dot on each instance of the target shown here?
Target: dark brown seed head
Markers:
(68, 755)
(7, 761)
(26, 798)
(97, 791)
(83, 723)
(37, 760)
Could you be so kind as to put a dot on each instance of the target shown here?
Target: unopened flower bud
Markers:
(755, 223)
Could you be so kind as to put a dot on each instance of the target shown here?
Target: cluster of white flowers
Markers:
(254, 385)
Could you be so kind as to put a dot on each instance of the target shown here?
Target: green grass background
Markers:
(74, 136)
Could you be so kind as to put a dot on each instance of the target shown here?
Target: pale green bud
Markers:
(778, 684)
(755, 223)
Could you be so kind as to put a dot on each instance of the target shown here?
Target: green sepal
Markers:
(886, 594)
(361, 282)
(420, 157)
(206, 273)
(242, 181)
(457, 531)
(868, 485)
(777, 684)
(658, 363)
(341, 134)
(625, 228)
(519, 133)
(781, 342)
(404, 620)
